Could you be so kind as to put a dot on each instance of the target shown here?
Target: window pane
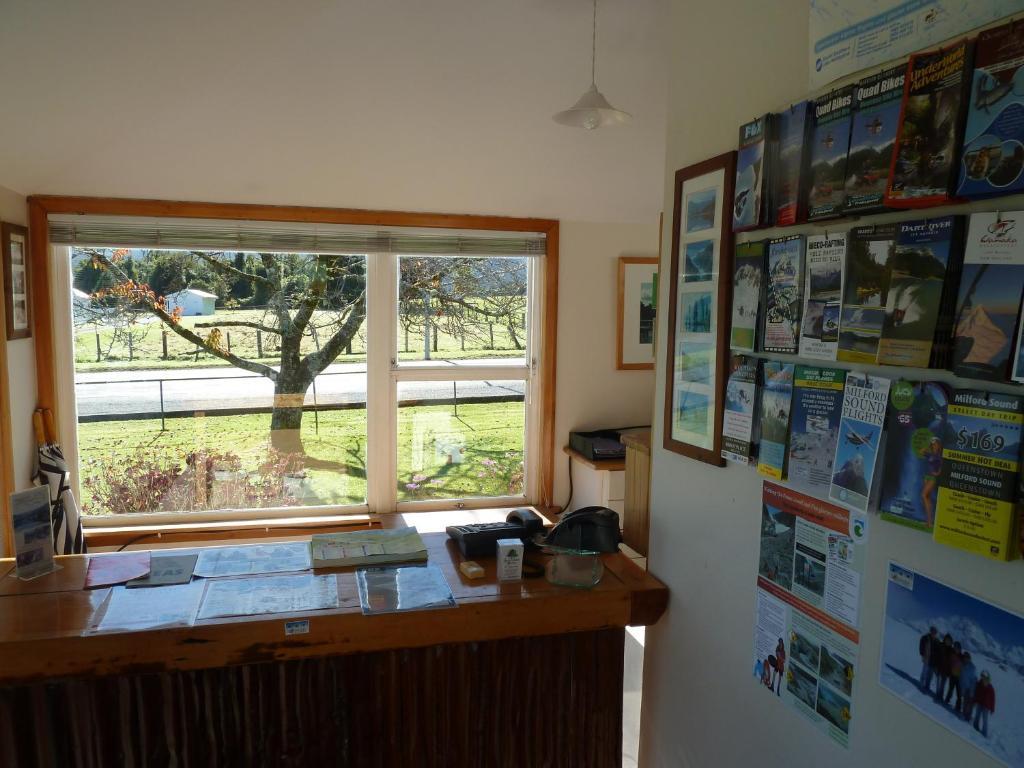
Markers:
(462, 308)
(219, 380)
(460, 439)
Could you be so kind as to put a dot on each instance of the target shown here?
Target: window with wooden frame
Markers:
(219, 362)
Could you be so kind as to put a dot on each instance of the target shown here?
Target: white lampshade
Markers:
(591, 111)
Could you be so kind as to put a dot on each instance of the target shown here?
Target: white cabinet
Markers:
(597, 484)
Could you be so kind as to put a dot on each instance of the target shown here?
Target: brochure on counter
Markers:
(806, 638)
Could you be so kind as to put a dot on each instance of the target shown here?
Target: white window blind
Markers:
(293, 237)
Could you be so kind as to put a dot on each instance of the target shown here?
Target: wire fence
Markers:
(148, 340)
(167, 397)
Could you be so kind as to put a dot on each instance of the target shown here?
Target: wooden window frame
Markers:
(40, 207)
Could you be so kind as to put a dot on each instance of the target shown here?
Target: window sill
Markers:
(99, 538)
(106, 538)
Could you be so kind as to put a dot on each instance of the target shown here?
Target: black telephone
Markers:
(591, 529)
(480, 539)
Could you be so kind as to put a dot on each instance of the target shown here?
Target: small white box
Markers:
(510, 559)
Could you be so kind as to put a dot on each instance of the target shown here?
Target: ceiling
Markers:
(437, 105)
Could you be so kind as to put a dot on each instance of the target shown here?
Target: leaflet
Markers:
(806, 636)
(860, 434)
(978, 486)
(738, 415)
(823, 293)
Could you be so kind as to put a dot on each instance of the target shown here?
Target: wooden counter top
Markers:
(45, 624)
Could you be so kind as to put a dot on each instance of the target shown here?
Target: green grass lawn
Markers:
(441, 455)
(112, 352)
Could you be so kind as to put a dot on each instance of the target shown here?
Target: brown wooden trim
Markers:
(726, 162)
(619, 331)
(6, 438)
(42, 322)
(145, 536)
(115, 206)
(548, 369)
(40, 206)
(43, 634)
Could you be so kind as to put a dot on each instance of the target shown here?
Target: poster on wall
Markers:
(637, 283)
(851, 35)
(806, 637)
(951, 657)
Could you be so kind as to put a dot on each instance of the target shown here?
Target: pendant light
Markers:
(592, 110)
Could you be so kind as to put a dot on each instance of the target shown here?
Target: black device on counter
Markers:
(480, 539)
(601, 444)
(590, 529)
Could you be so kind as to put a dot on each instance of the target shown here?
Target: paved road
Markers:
(211, 389)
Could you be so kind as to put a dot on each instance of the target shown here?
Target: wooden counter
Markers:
(529, 643)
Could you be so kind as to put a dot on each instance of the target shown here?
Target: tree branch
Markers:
(238, 324)
(227, 269)
(188, 335)
(315, 362)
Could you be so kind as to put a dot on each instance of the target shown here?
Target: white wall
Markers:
(590, 392)
(21, 368)
(730, 63)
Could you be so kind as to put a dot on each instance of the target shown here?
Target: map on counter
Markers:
(253, 559)
(128, 610)
(292, 593)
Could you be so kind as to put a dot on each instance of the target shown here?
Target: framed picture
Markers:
(698, 322)
(17, 285)
(638, 290)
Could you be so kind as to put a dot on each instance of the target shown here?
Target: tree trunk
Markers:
(286, 419)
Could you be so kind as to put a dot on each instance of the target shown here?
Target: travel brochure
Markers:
(860, 434)
(33, 534)
(738, 418)
(978, 486)
(823, 291)
(776, 401)
(916, 428)
(811, 567)
(814, 430)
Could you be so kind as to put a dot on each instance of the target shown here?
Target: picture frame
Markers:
(637, 300)
(17, 280)
(700, 269)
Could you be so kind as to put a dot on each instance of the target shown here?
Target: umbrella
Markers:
(53, 472)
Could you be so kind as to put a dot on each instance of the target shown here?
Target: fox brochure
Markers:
(978, 485)
(738, 414)
(811, 567)
(752, 164)
(823, 289)
(860, 433)
(915, 430)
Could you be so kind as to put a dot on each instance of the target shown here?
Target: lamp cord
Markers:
(593, 48)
